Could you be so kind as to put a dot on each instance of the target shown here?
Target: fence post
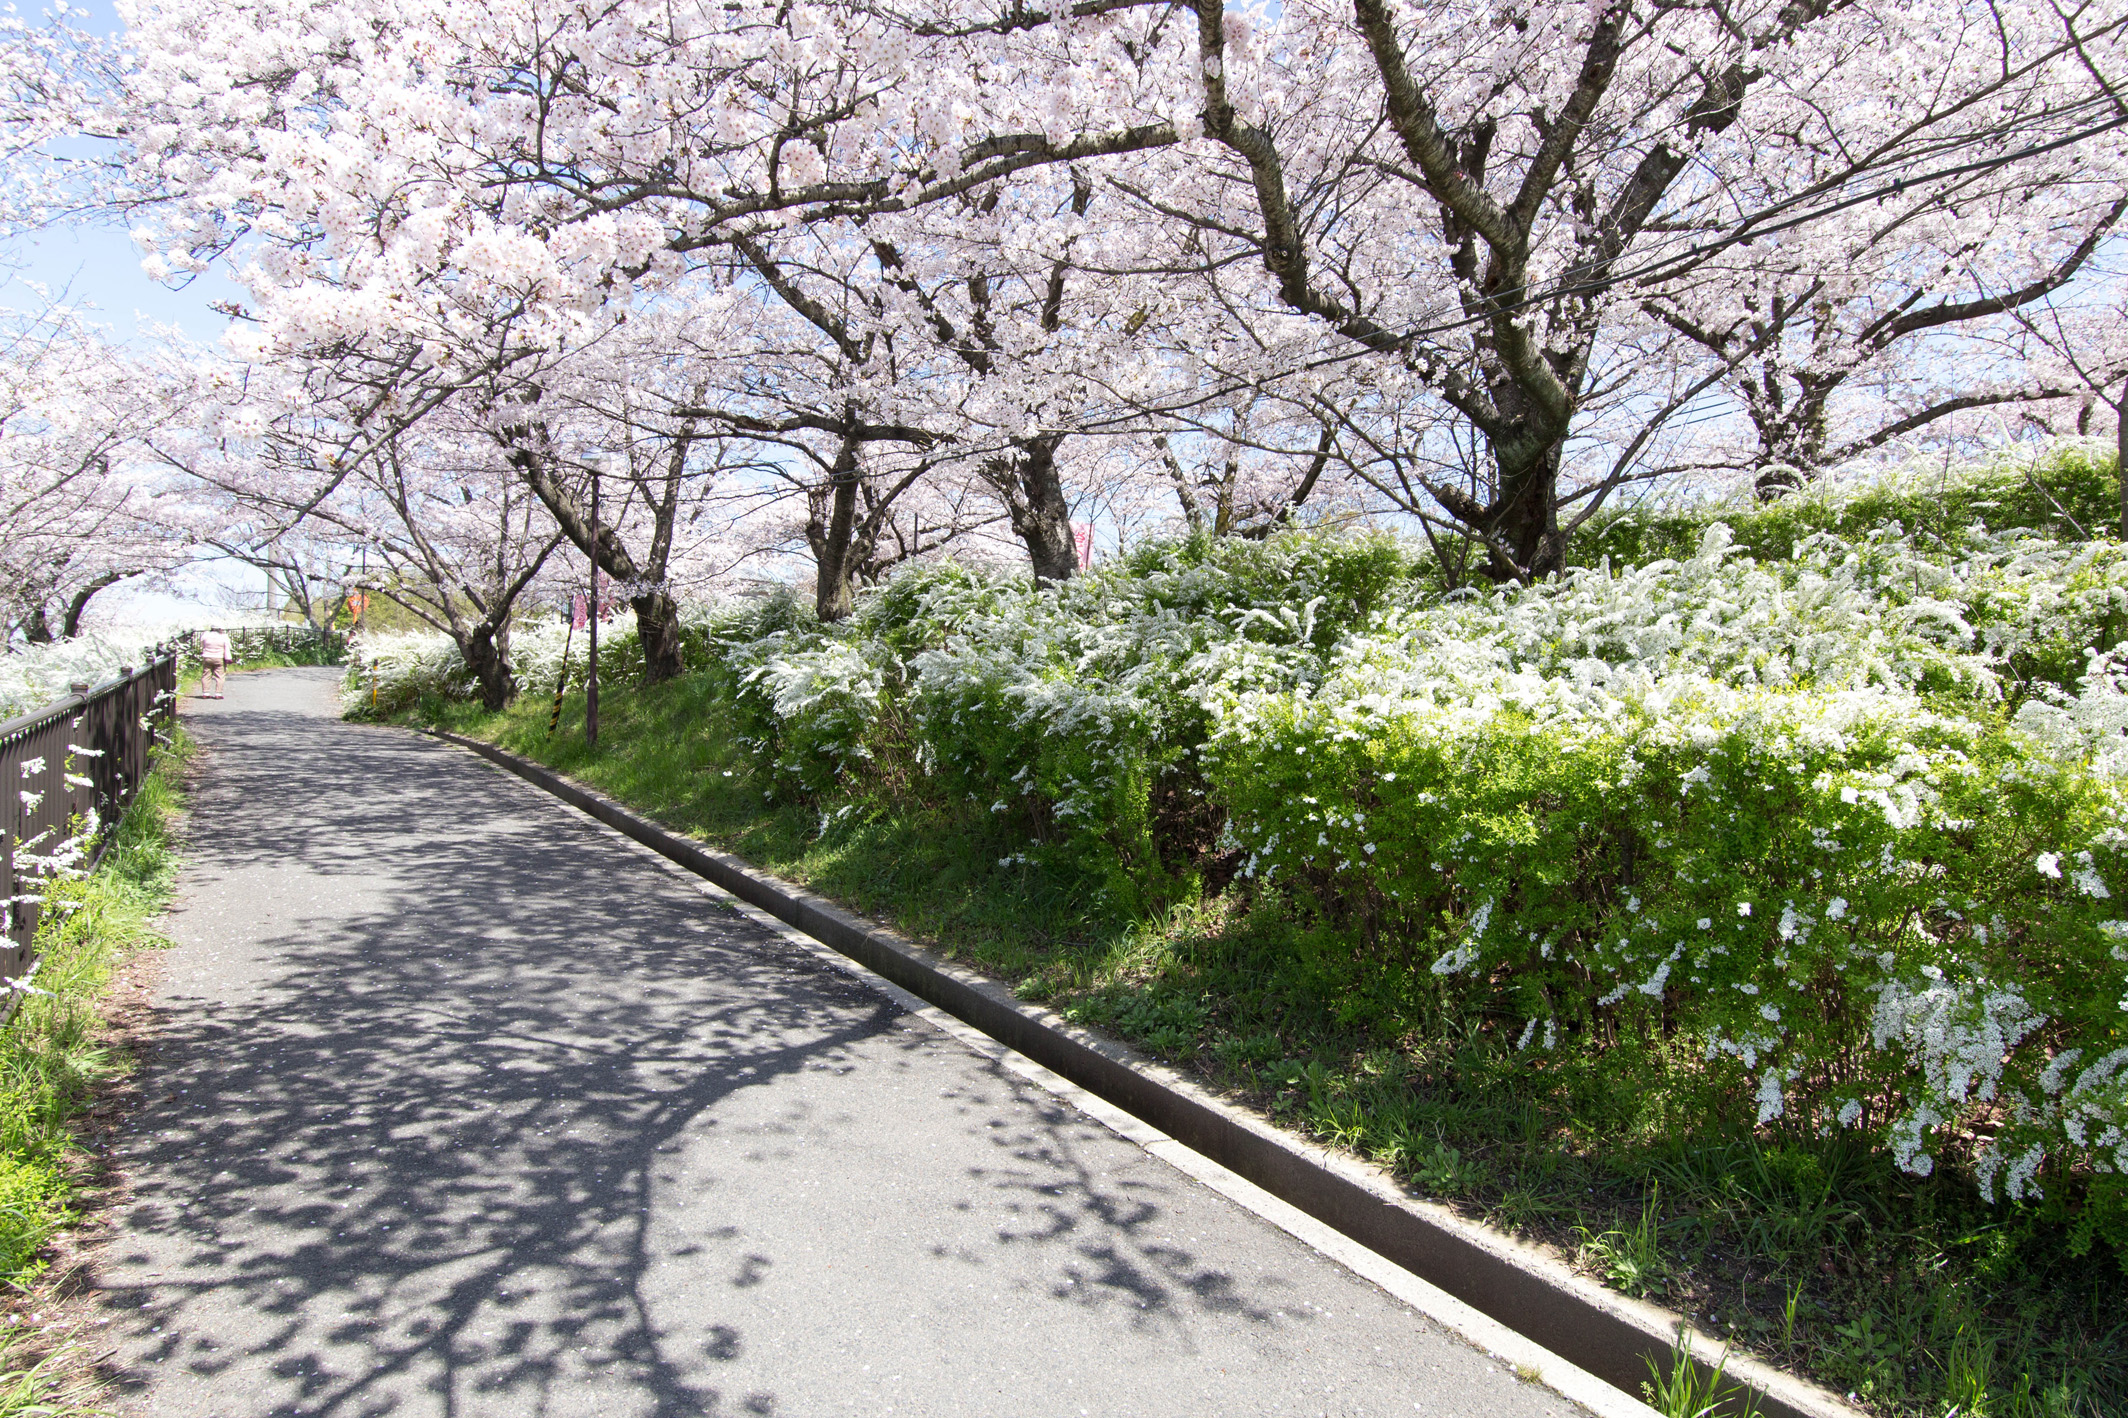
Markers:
(117, 723)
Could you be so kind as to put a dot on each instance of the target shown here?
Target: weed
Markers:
(1968, 1368)
(1630, 1259)
(1435, 1166)
(1687, 1390)
(1868, 1353)
(52, 1384)
(1343, 1122)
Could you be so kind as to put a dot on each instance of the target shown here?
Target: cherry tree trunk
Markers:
(657, 625)
(1791, 443)
(2120, 457)
(487, 654)
(833, 594)
(833, 540)
(1523, 525)
(1041, 516)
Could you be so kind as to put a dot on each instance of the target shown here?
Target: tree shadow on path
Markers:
(453, 1103)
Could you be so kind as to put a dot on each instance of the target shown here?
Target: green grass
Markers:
(38, 1383)
(50, 1057)
(52, 1061)
(1812, 1251)
(1685, 1392)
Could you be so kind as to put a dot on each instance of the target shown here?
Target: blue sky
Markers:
(98, 265)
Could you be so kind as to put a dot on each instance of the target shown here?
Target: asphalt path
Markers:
(458, 1106)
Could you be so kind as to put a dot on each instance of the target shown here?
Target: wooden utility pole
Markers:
(596, 463)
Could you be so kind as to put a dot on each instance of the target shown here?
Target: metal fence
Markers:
(84, 755)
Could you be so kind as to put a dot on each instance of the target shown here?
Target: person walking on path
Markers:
(215, 654)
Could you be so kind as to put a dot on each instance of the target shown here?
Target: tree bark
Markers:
(71, 626)
(657, 626)
(1791, 440)
(1033, 493)
(487, 654)
(832, 537)
(1522, 525)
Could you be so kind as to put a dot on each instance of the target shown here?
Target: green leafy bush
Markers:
(1784, 812)
(2069, 490)
(1840, 819)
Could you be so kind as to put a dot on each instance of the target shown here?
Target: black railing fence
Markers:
(69, 765)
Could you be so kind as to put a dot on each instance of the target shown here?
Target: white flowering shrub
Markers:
(394, 670)
(1842, 822)
(1079, 710)
(32, 676)
(1786, 811)
(2063, 491)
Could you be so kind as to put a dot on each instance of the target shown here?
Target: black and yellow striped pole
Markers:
(561, 681)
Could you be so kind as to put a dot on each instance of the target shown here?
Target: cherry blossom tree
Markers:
(1469, 255)
(382, 167)
(1905, 327)
(2082, 350)
(441, 194)
(457, 542)
(1493, 203)
(81, 508)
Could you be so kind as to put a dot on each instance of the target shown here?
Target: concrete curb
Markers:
(1519, 1286)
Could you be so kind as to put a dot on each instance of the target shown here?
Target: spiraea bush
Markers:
(396, 672)
(2067, 491)
(1832, 811)
(32, 676)
(1806, 815)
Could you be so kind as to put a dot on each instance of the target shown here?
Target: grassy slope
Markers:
(52, 1060)
(1905, 1291)
(2062, 494)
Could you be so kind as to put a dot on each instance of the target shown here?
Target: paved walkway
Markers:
(459, 1107)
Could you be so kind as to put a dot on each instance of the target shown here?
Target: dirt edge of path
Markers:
(60, 1319)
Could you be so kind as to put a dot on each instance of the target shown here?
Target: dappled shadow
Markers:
(442, 1114)
(457, 1105)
